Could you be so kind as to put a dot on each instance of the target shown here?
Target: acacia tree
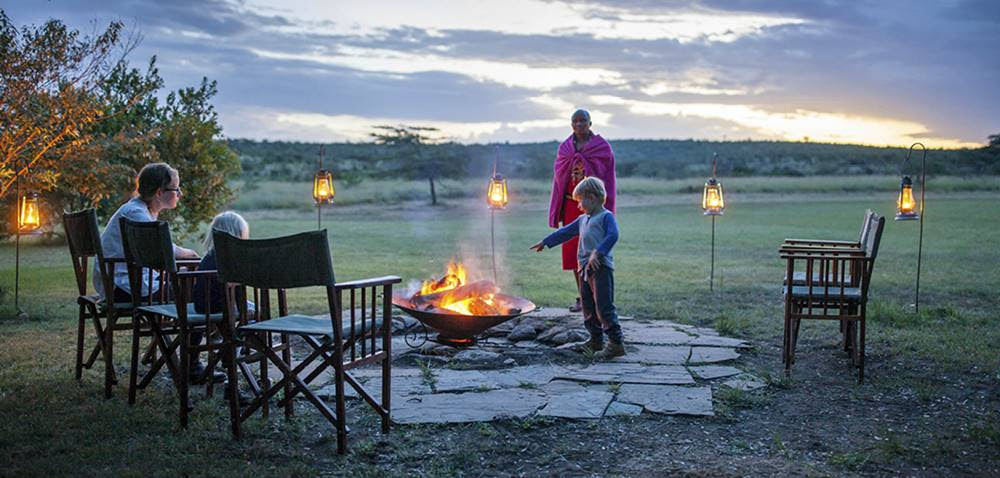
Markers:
(48, 79)
(409, 153)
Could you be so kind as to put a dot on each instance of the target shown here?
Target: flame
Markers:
(472, 306)
(906, 203)
(454, 277)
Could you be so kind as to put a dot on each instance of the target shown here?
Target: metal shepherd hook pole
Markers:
(319, 204)
(493, 211)
(920, 240)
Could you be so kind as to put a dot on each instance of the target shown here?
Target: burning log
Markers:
(468, 291)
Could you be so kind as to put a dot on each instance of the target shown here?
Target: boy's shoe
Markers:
(589, 347)
(577, 306)
(614, 349)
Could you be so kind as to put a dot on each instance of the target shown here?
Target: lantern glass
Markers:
(712, 199)
(29, 217)
(906, 205)
(496, 193)
(323, 187)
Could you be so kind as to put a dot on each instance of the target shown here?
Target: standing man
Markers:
(582, 154)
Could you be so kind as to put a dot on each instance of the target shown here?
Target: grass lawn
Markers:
(50, 424)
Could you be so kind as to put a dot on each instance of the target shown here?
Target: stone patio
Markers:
(525, 368)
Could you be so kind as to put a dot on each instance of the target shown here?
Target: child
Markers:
(598, 232)
(235, 225)
(209, 291)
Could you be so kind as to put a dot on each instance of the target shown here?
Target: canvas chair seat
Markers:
(799, 278)
(833, 295)
(170, 310)
(306, 325)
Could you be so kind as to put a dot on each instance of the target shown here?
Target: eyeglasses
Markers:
(176, 190)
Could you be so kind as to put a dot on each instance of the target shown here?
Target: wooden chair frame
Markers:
(167, 317)
(328, 339)
(829, 293)
(84, 241)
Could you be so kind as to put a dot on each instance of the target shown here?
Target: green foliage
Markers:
(663, 159)
(188, 131)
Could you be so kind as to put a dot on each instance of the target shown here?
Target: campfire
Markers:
(458, 309)
(452, 293)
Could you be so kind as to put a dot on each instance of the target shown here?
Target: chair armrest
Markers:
(372, 282)
(806, 247)
(204, 273)
(114, 260)
(822, 254)
(822, 242)
(187, 262)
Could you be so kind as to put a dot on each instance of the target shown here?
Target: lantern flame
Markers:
(323, 186)
(712, 199)
(29, 218)
(496, 193)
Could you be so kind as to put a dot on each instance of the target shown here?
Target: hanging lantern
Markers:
(712, 201)
(906, 206)
(29, 218)
(323, 187)
(496, 193)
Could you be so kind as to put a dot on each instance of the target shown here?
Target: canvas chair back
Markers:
(299, 260)
(84, 242)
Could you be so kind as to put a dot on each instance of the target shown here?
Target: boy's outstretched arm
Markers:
(561, 235)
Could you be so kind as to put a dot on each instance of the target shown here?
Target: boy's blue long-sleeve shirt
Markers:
(598, 232)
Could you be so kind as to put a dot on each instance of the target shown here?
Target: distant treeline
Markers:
(280, 160)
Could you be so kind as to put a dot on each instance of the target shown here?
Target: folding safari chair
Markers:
(167, 315)
(297, 261)
(84, 244)
(828, 294)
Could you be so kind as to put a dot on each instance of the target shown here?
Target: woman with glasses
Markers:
(157, 188)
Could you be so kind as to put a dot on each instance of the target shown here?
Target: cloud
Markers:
(877, 72)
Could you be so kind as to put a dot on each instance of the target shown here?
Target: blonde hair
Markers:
(228, 222)
(593, 186)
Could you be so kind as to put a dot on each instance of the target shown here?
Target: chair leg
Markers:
(81, 327)
(133, 372)
(286, 355)
(861, 351)
(795, 339)
(233, 390)
(109, 364)
(185, 371)
(265, 382)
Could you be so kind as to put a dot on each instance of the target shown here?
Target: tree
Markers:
(994, 140)
(409, 155)
(49, 76)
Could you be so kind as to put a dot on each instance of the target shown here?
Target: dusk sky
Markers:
(872, 72)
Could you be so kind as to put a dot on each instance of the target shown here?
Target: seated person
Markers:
(157, 188)
(233, 224)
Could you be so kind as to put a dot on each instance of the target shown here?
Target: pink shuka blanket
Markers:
(598, 160)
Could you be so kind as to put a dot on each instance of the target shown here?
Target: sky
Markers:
(889, 72)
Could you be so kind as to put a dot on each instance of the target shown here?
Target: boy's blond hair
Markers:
(593, 186)
(229, 222)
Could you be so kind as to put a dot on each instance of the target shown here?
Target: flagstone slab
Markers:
(710, 372)
(622, 409)
(528, 375)
(559, 387)
(654, 334)
(401, 388)
(655, 354)
(468, 407)
(446, 380)
(712, 354)
(582, 404)
(718, 341)
(669, 399)
(627, 373)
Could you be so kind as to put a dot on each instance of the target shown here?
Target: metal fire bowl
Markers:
(458, 326)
